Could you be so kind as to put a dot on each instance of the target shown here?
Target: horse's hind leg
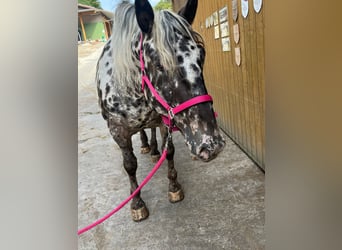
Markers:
(175, 189)
(145, 148)
(153, 146)
(139, 210)
(155, 154)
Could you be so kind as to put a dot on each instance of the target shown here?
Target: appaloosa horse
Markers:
(152, 67)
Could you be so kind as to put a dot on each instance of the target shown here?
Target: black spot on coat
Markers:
(107, 89)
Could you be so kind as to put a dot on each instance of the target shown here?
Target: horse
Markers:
(159, 49)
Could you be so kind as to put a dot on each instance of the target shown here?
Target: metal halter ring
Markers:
(170, 113)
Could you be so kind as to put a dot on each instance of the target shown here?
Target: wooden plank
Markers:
(245, 80)
(252, 80)
(105, 27)
(83, 30)
(235, 72)
(261, 89)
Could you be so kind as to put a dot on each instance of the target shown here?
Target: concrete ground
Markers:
(223, 206)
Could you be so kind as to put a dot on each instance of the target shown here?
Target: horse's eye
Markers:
(159, 67)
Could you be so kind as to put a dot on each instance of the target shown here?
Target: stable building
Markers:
(94, 24)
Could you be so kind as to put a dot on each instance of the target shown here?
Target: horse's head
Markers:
(174, 57)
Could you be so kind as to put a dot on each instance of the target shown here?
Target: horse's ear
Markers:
(189, 11)
(145, 15)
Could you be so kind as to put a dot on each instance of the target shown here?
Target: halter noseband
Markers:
(171, 111)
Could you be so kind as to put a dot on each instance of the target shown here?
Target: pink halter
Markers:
(172, 111)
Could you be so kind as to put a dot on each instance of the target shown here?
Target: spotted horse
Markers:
(152, 65)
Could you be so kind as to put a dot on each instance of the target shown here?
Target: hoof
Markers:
(194, 158)
(155, 158)
(145, 150)
(139, 214)
(176, 196)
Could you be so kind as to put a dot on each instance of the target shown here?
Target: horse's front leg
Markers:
(175, 193)
(139, 210)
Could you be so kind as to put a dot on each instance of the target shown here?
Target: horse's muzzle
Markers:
(207, 153)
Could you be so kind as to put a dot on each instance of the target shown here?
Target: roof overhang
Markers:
(85, 9)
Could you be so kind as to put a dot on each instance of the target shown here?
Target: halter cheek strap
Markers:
(172, 111)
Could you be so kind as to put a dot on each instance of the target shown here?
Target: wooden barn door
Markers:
(238, 88)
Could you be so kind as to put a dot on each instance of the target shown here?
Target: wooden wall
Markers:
(238, 91)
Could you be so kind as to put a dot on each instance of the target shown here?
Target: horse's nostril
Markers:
(204, 154)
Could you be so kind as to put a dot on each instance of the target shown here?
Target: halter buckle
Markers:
(170, 113)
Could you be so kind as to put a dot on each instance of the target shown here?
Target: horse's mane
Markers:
(126, 29)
